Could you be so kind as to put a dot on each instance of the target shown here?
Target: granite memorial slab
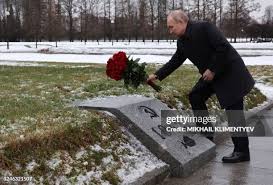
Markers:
(263, 123)
(142, 117)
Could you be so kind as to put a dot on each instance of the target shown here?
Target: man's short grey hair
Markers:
(178, 16)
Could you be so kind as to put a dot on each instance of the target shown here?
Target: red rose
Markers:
(119, 66)
(116, 65)
(121, 57)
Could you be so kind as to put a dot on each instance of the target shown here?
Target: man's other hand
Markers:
(152, 77)
(208, 75)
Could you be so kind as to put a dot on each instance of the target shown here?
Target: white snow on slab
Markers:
(136, 165)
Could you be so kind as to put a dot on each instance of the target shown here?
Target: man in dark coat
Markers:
(223, 73)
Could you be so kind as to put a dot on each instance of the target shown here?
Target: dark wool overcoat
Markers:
(206, 47)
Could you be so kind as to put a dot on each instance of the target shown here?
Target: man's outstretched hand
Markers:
(152, 78)
(151, 81)
(208, 75)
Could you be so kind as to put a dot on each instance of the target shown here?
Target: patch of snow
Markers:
(107, 160)
(62, 180)
(96, 148)
(138, 163)
(80, 154)
(11, 63)
(105, 183)
(67, 169)
(18, 166)
(54, 162)
(87, 178)
(21, 136)
(149, 52)
(30, 166)
(2, 145)
(266, 90)
(5, 173)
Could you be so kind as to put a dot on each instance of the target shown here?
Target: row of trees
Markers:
(32, 20)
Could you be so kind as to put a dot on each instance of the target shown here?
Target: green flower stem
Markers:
(157, 88)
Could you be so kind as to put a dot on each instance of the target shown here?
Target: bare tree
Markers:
(11, 24)
(220, 13)
(32, 20)
(59, 22)
(204, 7)
(107, 25)
(115, 21)
(238, 11)
(119, 19)
(215, 8)
(182, 4)
(161, 19)
(267, 27)
(122, 20)
(69, 6)
(211, 10)
(18, 10)
(93, 19)
(83, 19)
(97, 10)
(48, 14)
(129, 19)
(152, 6)
(197, 9)
(142, 18)
(268, 15)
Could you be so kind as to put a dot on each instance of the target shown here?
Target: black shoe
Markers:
(236, 157)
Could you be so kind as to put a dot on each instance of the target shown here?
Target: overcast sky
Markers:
(264, 3)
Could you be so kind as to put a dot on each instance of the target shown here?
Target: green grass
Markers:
(112, 177)
(37, 122)
(263, 74)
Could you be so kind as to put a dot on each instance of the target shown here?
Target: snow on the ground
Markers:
(25, 54)
(31, 46)
(12, 63)
(67, 58)
(266, 90)
(92, 52)
(27, 59)
(261, 60)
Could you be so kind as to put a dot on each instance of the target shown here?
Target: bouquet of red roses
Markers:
(121, 67)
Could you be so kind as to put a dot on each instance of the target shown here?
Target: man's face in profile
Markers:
(176, 28)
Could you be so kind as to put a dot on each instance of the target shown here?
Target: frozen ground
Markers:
(266, 90)
(25, 54)
(94, 52)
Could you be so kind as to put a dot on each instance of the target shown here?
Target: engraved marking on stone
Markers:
(184, 144)
(154, 129)
(148, 110)
(188, 142)
(142, 117)
(164, 131)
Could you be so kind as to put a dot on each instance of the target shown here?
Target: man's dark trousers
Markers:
(198, 97)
